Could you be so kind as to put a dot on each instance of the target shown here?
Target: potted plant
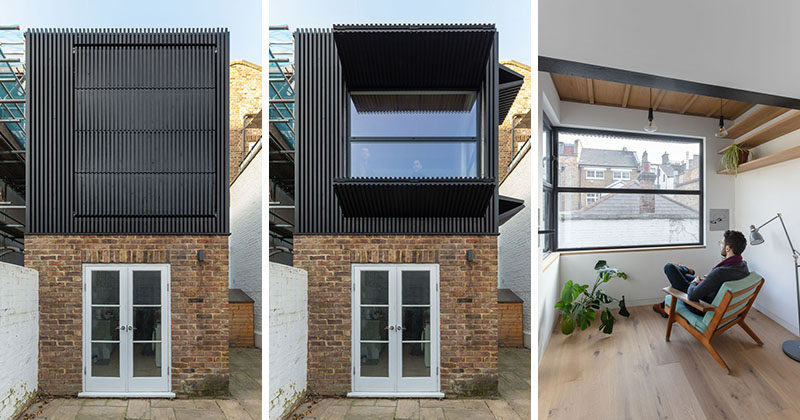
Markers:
(734, 156)
(579, 307)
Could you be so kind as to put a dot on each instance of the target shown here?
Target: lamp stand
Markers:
(792, 347)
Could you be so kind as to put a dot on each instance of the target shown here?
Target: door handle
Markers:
(399, 328)
(390, 328)
(130, 328)
(121, 327)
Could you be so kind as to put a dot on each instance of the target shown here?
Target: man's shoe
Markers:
(660, 309)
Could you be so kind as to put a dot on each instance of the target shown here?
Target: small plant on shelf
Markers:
(579, 307)
(734, 156)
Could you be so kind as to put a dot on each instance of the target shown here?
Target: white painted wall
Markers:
(760, 194)
(514, 243)
(19, 337)
(547, 281)
(645, 269)
(685, 39)
(245, 241)
(288, 337)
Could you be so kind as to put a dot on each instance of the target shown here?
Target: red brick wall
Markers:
(468, 304)
(199, 300)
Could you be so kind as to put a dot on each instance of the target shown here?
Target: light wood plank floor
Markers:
(635, 374)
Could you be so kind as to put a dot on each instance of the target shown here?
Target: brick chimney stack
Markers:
(647, 202)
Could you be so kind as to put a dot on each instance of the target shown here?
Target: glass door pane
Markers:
(146, 321)
(104, 320)
(416, 323)
(374, 320)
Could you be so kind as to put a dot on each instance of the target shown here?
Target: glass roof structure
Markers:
(12, 89)
(281, 90)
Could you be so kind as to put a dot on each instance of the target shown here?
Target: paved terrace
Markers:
(514, 402)
(244, 404)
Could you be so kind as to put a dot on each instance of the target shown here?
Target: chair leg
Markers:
(750, 332)
(671, 318)
(716, 355)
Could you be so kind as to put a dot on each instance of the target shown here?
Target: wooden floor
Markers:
(635, 374)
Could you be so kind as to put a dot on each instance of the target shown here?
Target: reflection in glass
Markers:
(105, 287)
(374, 321)
(413, 115)
(375, 359)
(147, 321)
(105, 320)
(146, 287)
(105, 359)
(416, 322)
(424, 159)
(416, 288)
(417, 359)
(147, 359)
(375, 287)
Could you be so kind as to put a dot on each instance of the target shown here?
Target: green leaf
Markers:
(600, 265)
(567, 326)
(623, 310)
(607, 321)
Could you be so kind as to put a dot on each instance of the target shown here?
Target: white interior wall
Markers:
(760, 194)
(742, 44)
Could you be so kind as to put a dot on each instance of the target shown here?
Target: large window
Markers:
(653, 197)
(414, 134)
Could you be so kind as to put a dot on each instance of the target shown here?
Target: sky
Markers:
(241, 17)
(512, 17)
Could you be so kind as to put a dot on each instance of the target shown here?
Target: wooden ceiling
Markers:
(601, 92)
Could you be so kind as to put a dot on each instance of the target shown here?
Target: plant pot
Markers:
(743, 154)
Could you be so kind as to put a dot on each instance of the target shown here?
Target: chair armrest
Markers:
(697, 304)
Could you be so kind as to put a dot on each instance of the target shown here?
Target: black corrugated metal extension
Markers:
(128, 131)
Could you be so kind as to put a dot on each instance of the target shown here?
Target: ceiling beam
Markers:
(755, 119)
(626, 96)
(659, 98)
(590, 85)
(689, 103)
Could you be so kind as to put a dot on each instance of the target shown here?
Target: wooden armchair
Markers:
(729, 308)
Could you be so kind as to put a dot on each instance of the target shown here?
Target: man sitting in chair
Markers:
(705, 288)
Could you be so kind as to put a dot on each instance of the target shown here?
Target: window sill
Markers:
(610, 250)
(549, 259)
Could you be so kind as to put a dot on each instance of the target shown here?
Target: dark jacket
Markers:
(708, 288)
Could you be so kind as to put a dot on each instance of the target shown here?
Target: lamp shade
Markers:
(755, 236)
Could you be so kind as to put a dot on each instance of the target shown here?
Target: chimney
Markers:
(647, 202)
(665, 159)
(687, 159)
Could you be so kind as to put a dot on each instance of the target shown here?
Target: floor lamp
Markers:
(790, 347)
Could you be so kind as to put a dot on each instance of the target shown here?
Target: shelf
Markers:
(755, 119)
(771, 132)
(772, 159)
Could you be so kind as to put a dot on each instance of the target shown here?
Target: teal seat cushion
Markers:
(694, 320)
(701, 322)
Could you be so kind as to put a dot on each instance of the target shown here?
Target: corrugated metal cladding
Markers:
(321, 151)
(128, 131)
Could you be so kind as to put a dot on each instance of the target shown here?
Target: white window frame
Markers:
(623, 173)
(594, 172)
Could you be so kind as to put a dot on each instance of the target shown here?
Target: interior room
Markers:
(630, 107)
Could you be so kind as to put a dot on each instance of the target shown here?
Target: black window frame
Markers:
(556, 189)
(477, 138)
(548, 233)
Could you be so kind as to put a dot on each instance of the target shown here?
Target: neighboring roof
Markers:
(507, 296)
(608, 158)
(238, 296)
(515, 63)
(627, 206)
(413, 56)
(245, 63)
(508, 207)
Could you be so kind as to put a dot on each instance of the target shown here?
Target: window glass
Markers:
(393, 114)
(413, 159)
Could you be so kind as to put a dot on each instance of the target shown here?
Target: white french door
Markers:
(395, 329)
(126, 329)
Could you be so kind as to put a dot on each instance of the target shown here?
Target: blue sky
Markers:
(512, 17)
(241, 17)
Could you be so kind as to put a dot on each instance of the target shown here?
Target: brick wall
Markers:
(521, 105)
(199, 297)
(510, 324)
(245, 99)
(468, 304)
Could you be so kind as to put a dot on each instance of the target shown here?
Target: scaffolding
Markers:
(13, 138)
(282, 139)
